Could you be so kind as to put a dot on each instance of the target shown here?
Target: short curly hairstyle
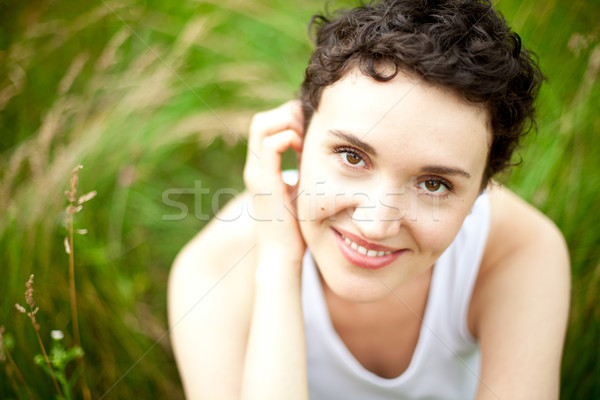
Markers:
(463, 45)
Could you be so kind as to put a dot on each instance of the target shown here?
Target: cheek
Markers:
(321, 189)
(324, 193)
(435, 232)
(322, 198)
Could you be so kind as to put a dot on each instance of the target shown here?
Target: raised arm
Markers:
(234, 291)
(275, 365)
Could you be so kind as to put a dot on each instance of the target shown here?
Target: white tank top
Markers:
(445, 363)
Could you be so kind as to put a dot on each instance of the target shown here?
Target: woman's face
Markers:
(389, 172)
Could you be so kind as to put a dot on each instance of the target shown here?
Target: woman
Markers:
(394, 267)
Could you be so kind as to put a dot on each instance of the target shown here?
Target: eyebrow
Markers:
(353, 140)
(442, 170)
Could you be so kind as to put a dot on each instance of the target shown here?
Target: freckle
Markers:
(322, 208)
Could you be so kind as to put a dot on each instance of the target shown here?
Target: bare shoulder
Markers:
(517, 228)
(209, 303)
(520, 303)
(231, 225)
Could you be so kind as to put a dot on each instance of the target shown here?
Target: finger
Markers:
(271, 122)
(272, 148)
(295, 107)
(266, 171)
(286, 116)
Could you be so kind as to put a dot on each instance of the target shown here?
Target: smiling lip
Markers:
(370, 261)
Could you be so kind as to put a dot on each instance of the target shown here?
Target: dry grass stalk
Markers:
(205, 127)
(16, 75)
(71, 210)
(31, 314)
(72, 73)
(109, 57)
(75, 205)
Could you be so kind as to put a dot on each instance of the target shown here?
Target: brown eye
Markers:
(350, 157)
(432, 186)
(353, 158)
(435, 187)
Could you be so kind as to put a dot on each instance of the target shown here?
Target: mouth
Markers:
(362, 253)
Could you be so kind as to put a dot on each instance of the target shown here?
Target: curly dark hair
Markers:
(464, 45)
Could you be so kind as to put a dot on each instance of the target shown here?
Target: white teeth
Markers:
(363, 250)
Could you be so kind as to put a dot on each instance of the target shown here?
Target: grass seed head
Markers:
(87, 197)
(67, 246)
(74, 178)
(30, 302)
(29, 293)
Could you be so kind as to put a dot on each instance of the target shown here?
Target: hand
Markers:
(271, 133)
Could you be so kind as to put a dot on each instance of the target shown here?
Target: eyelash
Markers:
(446, 183)
(344, 149)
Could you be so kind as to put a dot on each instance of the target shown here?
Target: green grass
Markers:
(157, 95)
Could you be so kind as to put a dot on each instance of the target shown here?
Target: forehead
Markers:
(406, 115)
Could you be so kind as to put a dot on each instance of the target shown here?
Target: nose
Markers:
(381, 213)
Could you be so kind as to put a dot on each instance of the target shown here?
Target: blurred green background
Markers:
(153, 96)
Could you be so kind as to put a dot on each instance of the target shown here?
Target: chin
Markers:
(353, 283)
(358, 292)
